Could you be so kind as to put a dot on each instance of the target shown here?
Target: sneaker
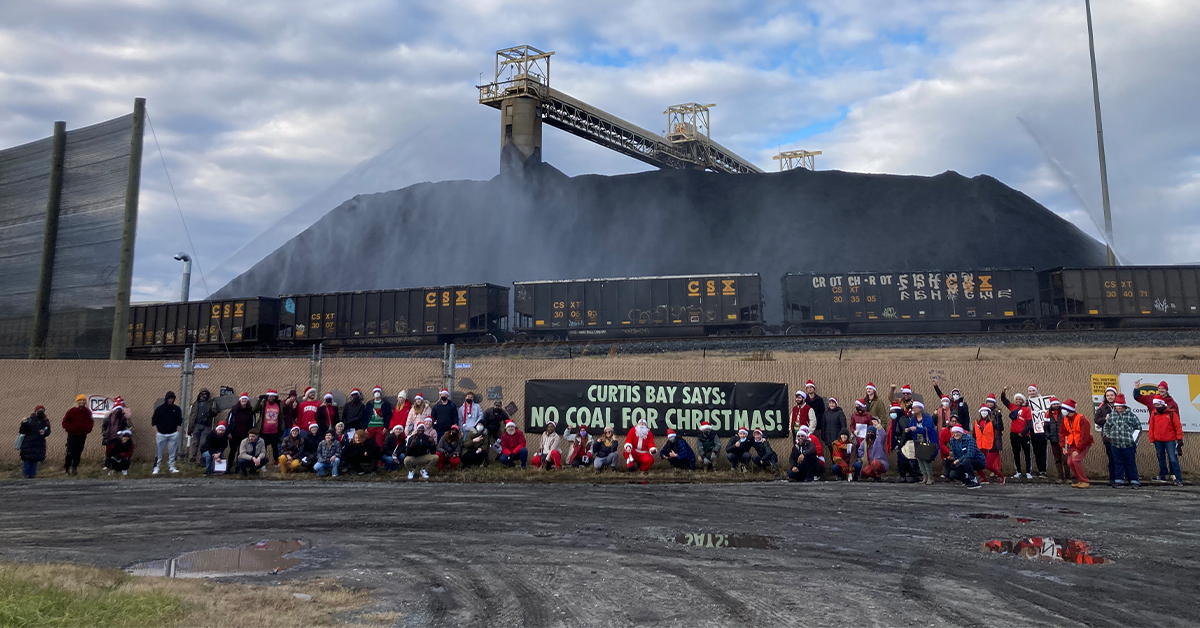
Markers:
(973, 485)
(1001, 479)
(1081, 485)
(410, 475)
(173, 470)
(1017, 475)
(125, 472)
(1135, 485)
(424, 474)
(1028, 476)
(1178, 482)
(155, 471)
(110, 471)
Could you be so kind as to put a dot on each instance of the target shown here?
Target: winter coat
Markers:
(859, 417)
(78, 421)
(964, 450)
(475, 440)
(449, 448)
(215, 443)
(327, 416)
(418, 445)
(832, 424)
(33, 446)
(493, 420)
(289, 410)
(959, 408)
(444, 415)
(1076, 432)
(1121, 429)
(981, 437)
(551, 443)
(311, 443)
(292, 446)
(116, 421)
(600, 449)
(383, 418)
(415, 418)
(1020, 418)
(202, 412)
(248, 451)
(167, 418)
(1165, 426)
(874, 453)
(365, 453)
(762, 448)
(394, 445)
(121, 450)
(924, 427)
(819, 406)
(707, 443)
(468, 417)
(355, 415)
(737, 446)
(805, 447)
(328, 449)
(879, 408)
(839, 454)
(239, 421)
(512, 443)
(400, 415)
(581, 448)
(1148, 401)
(681, 448)
(1051, 423)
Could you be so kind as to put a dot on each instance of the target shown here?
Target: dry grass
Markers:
(76, 595)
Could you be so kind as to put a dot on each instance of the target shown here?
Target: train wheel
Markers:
(757, 330)
(521, 337)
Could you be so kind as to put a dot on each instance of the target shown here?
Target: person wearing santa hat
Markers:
(872, 460)
(393, 449)
(581, 447)
(989, 438)
(420, 453)
(639, 447)
(905, 399)
(1147, 399)
(355, 414)
(469, 413)
(678, 452)
(1106, 408)
(965, 458)
(1020, 427)
(213, 449)
(762, 455)
(400, 411)
(816, 402)
(270, 421)
(958, 407)
(605, 450)
(120, 456)
(897, 436)
(737, 450)
(239, 420)
(291, 412)
(802, 412)
(512, 445)
(291, 452)
(942, 414)
(1122, 429)
(444, 412)
(420, 411)
(379, 414)
(1052, 427)
(115, 422)
(803, 465)
(449, 449)
(833, 423)
(1166, 434)
(550, 453)
(708, 446)
(306, 414)
(1077, 439)
(860, 420)
(877, 406)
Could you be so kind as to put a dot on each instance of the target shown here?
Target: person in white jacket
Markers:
(469, 413)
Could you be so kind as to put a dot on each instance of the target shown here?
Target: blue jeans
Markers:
(332, 467)
(510, 460)
(1126, 460)
(391, 463)
(29, 468)
(207, 458)
(1168, 454)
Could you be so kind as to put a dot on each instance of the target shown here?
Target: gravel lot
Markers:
(551, 555)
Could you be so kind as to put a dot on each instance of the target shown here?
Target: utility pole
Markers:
(187, 275)
(133, 184)
(41, 308)
(1108, 232)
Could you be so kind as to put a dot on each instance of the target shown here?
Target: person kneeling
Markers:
(709, 446)
(512, 445)
(581, 449)
(393, 448)
(252, 454)
(639, 447)
(804, 466)
(551, 451)
(291, 451)
(362, 455)
(762, 455)
(420, 453)
(678, 452)
(475, 446)
(842, 456)
(449, 449)
(120, 453)
(738, 450)
(872, 456)
(212, 451)
(605, 450)
(965, 457)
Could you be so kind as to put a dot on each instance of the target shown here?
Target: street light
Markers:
(187, 273)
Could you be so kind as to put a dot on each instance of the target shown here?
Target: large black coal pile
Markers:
(541, 224)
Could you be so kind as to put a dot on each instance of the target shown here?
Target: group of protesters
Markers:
(367, 435)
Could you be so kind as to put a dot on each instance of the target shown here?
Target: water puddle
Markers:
(752, 541)
(1046, 548)
(992, 515)
(264, 557)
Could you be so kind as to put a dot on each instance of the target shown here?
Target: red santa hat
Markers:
(328, 396)
(1069, 405)
(945, 398)
(308, 390)
(244, 397)
(906, 390)
(1033, 387)
(984, 410)
(376, 390)
(804, 430)
(670, 433)
(871, 387)
(444, 393)
(271, 391)
(454, 426)
(355, 391)
(758, 431)
(549, 423)
(118, 402)
(1120, 401)
(859, 403)
(1159, 401)
(508, 423)
(991, 397)
(221, 425)
(742, 429)
(1163, 385)
(1054, 400)
(705, 426)
(896, 406)
(809, 383)
(419, 397)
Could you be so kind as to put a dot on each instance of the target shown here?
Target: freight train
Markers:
(933, 301)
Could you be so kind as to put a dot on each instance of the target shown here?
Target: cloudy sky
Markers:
(270, 113)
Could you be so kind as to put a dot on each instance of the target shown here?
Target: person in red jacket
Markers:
(512, 446)
(639, 447)
(78, 423)
(944, 436)
(400, 411)
(1166, 432)
(1019, 429)
(306, 414)
(1148, 399)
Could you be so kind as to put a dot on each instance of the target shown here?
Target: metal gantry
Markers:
(524, 72)
(792, 159)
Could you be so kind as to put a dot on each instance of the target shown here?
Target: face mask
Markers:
(894, 415)
(955, 396)
(378, 396)
(945, 404)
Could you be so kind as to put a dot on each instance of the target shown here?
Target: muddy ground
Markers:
(551, 555)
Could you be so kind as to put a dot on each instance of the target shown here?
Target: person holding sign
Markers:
(639, 447)
(551, 451)
(737, 450)
(605, 449)
(763, 456)
(709, 445)
(860, 421)
(678, 452)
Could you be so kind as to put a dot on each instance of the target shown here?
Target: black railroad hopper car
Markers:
(1121, 296)
(249, 322)
(916, 301)
(638, 307)
(410, 316)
